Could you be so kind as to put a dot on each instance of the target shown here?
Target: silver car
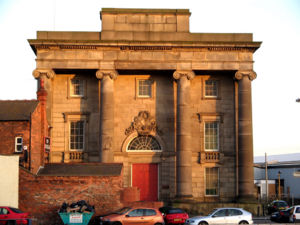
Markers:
(222, 216)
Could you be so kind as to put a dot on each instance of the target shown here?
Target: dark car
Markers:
(281, 216)
(277, 206)
(173, 215)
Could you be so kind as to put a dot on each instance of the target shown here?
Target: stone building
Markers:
(173, 107)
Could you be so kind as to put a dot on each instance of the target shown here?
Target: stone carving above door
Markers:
(143, 124)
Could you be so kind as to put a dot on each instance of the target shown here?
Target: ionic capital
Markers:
(178, 74)
(38, 73)
(111, 73)
(241, 73)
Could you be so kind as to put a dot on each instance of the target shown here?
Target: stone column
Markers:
(183, 134)
(106, 131)
(245, 136)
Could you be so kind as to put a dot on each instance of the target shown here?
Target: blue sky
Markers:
(276, 115)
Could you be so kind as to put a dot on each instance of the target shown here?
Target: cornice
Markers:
(147, 46)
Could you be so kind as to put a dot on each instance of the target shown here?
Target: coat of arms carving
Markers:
(144, 124)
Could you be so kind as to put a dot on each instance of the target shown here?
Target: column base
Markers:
(246, 199)
(184, 197)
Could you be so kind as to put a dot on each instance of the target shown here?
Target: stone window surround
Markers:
(218, 187)
(70, 95)
(73, 117)
(204, 79)
(211, 117)
(153, 87)
(77, 135)
(218, 136)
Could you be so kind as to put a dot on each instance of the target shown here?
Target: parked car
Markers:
(134, 215)
(277, 205)
(295, 214)
(173, 215)
(11, 216)
(281, 216)
(222, 216)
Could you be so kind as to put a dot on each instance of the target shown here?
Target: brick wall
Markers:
(42, 196)
(9, 130)
(36, 148)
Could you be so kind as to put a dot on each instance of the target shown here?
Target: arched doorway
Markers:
(145, 175)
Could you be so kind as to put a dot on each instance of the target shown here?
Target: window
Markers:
(212, 181)
(221, 213)
(144, 143)
(144, 88)
(149, 212)
(234, 212)
(18, 144)
(77, 135)
(136, 212)
(76, 87)
(211, 88)
(211, 136)
(4, 211)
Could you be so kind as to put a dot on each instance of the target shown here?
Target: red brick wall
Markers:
(36, 140)
(43, 196)
(9, 130)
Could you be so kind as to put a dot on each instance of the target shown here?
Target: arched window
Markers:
(144, 143)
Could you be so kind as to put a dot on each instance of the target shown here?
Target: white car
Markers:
(295, 214)
(222, 216)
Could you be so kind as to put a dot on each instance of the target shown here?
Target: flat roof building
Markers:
(173, 107)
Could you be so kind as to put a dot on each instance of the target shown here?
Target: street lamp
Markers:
(279, 194)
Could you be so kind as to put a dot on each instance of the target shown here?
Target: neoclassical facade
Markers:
(173, 107)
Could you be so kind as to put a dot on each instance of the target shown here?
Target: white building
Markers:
(285, 167)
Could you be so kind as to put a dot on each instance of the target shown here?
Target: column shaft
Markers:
(106, 115)
(245, 136)
(183, 135)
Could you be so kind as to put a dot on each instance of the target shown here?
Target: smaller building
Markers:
(282, 171)
(23, 131)
(9, 176)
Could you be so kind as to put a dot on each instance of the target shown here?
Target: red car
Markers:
(8, 216)
(174, 215)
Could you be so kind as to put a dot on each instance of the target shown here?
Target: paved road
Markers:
(262, 220)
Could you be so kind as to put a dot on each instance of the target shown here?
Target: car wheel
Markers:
(117, 223)
(202, 223)
(10, 222)
(243, 222)
(158, 224)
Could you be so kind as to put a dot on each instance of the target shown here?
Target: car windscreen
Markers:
(122, 211)
(174, 211)
(214, 210)
(281, 204)
(16, 210)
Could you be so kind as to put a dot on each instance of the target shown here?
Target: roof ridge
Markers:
(19, 100)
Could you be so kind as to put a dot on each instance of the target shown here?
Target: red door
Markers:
(145, 177)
